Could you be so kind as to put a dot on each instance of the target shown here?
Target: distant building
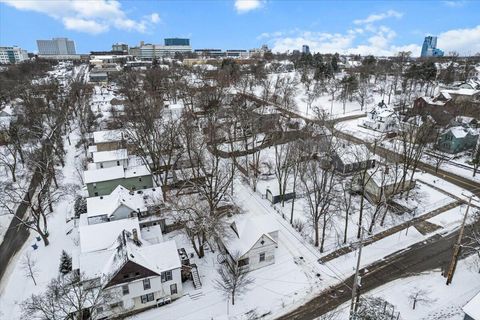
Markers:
(56, 46)
(177, 42)
(210, 52)
(148, 51)
(305, 49)
(120, 47)
(429, 48)
(12, 55)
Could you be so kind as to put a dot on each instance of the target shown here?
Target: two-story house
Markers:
(131, 273)
(382, 118)
(457, 139)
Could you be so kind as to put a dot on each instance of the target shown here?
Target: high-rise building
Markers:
(429, 48)
(12, 55)
(305, 49)
(56, 46)
(120, 47)
(177, 42)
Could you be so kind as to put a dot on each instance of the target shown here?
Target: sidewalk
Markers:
(415, 222)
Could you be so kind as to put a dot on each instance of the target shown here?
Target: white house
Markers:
(385, 181)
(382, 118)
(123, 203)
(251, 242)
(133, 273)
(111, 158)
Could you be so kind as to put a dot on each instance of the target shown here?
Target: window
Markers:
(116, 305)
(125, 290)
(139, 179)
(96, 194)
(262, 256)
(243, 262)
(146, 298)
(146, 284)
(167, 276)
(118, 163)
(101, 165)
(173, 289)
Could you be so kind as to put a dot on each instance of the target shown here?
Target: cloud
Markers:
(243, 6)
(464, 41)
(92, 17)
(376, 40)
(455, 4)
(379, 16)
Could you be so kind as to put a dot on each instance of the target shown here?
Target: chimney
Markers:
(135, 235)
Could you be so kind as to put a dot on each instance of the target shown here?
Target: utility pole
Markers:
(356, 280)
(458, 246)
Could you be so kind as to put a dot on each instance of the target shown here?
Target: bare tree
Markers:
(9, 159)
(234, 281)
(418, 296)
(67, 298)
(29, 266)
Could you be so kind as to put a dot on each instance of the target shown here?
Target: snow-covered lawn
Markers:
(15, 286)
(444, 302)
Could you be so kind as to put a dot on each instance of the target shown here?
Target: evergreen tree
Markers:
(65, 263)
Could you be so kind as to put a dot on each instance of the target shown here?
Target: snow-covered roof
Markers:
(137, 171)
(472, 308)
(135, 200)
(105, 174)
(104, 264)
(113, 173)
(107, 136)
(385, 175)
(354, 153)
(461, 91)
(102, 236)
(461, 132)
(92, 149)
(249, 229)
(103, 156)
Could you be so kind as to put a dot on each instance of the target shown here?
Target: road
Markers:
(434, 253)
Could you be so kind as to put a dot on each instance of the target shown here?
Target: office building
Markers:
(305, 49)
(148, 51)
(429, 48)
(177, 42)
(120, 47)
(56, 46)
(12, 55)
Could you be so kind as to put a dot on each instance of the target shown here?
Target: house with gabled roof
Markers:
(123, 203)
(132, 272)
(382, 118)
(457, 139)
(250, 242)
(102, 182)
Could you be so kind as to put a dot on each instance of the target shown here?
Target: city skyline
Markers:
(347, 27)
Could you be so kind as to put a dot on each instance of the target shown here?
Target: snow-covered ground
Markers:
(15, 286)
(442, 302)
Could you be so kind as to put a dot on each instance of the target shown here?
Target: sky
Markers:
(360, 27)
